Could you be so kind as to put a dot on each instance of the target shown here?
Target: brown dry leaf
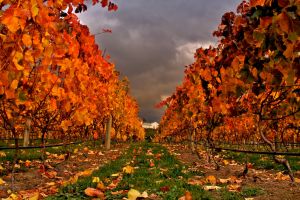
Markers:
(211, 179)
(211, 187)
(92, 192)
(224, 180)
(196, 182)
(234, 187)
(51, 174)
(128, 169)
(119, 192)
(297, 180)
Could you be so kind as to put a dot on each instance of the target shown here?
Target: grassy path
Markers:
(147, 168)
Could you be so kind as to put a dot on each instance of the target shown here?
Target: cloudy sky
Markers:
(153, 40)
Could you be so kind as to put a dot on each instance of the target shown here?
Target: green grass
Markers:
(168, 173)
(246, 192)
(262, 161)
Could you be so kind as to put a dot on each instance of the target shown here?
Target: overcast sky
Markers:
(152, 41)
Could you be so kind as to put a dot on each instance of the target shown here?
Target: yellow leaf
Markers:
(128, 169)
(75, 150)
(17, 58)
(34, 196)
(34, 8)
(13, 197)
(2, 181)
(14, 84)
(133, 194)
(211, 187)
(96, 179)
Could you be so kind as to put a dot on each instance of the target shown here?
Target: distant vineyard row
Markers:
(54, 79)
(247, 88)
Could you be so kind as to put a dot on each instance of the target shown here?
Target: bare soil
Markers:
(58, 171)
(274, 184)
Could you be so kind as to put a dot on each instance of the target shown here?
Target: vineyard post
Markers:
(27, 132)
(108, 131)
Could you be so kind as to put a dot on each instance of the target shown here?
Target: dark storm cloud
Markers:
(153, 40)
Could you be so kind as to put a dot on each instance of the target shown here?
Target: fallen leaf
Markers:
(2, 154)
(75, 150)
(1, 168)
(196, 182)
(211, 179)
(188, 195)
(27, 163)
(211, 187)
(225, 162)
(101, 186)
(128, 169)
(133, 194)
(225, 180)
(96, 179)
(17, 166)
(234, 187)
(61, 157)
(164, 189)
(2, 181)
(50, 184)
(119, 192)
(92, 192)
(114, 175)
(152, 163)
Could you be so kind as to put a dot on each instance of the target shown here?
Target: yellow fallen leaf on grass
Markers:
(96, 179)
(211, 187)
(128, 169)
(1, 168)
(133, 194)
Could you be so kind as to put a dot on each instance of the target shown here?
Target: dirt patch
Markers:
(274, 184)
(59, 170)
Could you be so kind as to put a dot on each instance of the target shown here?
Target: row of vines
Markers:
(247, 88)
(55, 82)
